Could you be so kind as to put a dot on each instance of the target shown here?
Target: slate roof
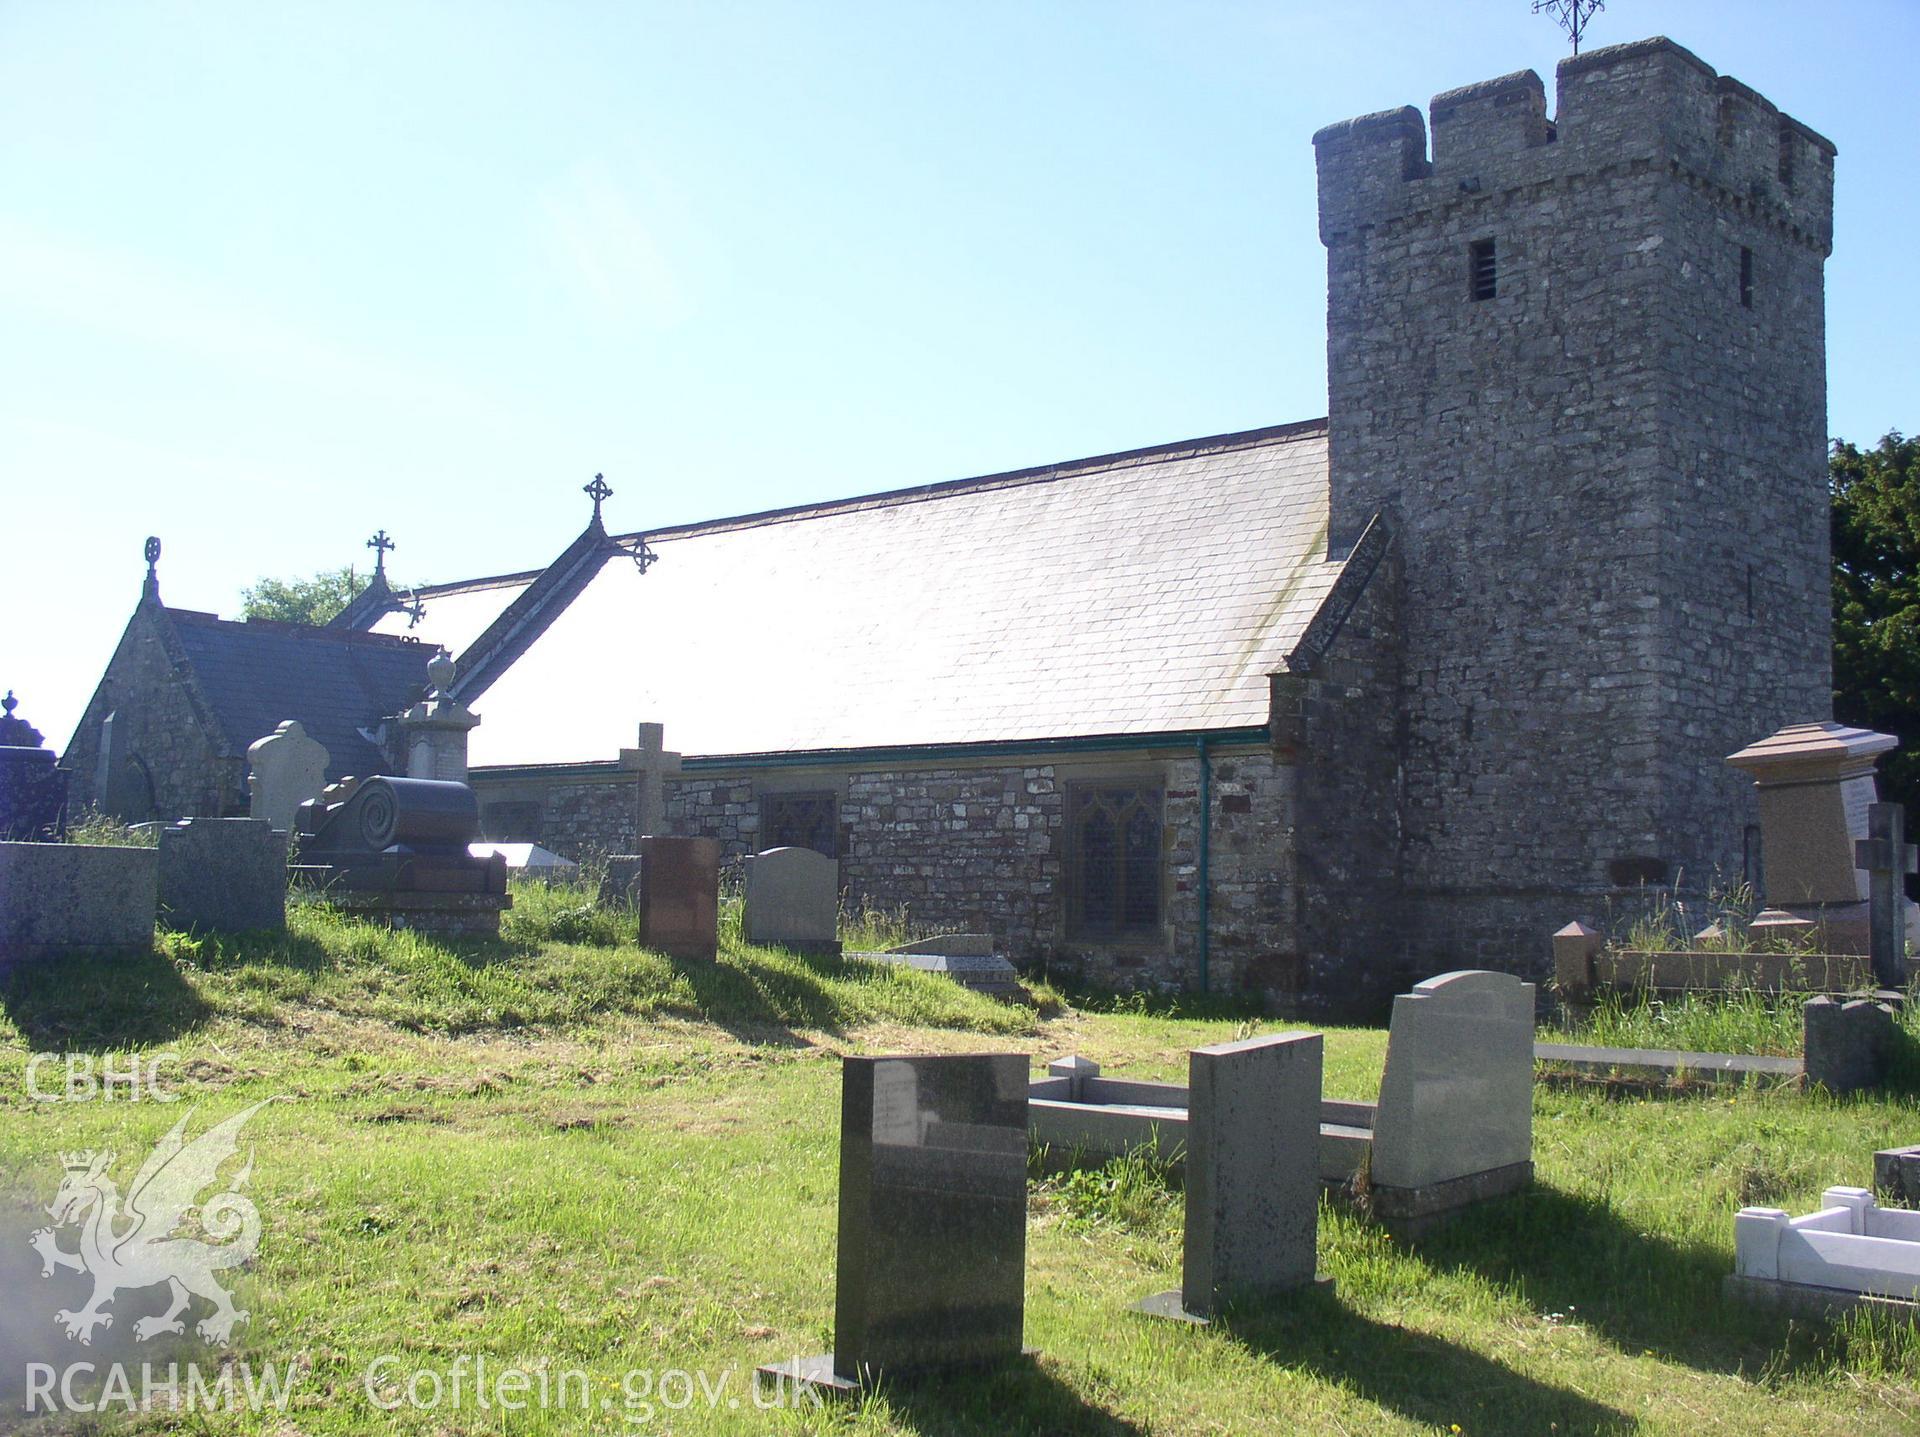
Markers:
(257, 674)
(1145, 592)
(453, 615)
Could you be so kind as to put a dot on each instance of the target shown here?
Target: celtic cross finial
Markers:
(599, 490)
(380, 544)
(1572, 15)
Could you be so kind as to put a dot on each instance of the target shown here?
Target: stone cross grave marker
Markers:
(1252, 1174)
(793, 900)
(652, 761)
(931, 1270)
(289, 769)
(1888, 858)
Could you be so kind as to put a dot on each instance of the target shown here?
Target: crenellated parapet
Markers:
(1650, 104)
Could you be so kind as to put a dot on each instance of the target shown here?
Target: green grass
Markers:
(559, 1148)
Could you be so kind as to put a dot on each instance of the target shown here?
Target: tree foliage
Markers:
(1876, 602)
(302, 601)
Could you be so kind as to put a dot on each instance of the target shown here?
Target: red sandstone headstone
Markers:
(680, 896)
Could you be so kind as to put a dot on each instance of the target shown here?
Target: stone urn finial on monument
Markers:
(435, 729)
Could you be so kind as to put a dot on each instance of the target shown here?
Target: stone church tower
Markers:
(1579, 363)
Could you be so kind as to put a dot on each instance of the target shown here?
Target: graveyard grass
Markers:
(561, 1150)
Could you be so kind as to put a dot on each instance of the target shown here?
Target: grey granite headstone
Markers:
(223, 875)
(933, 1217)
(1252, 1173)
(1844, 1045)
(75, 897)
(1896, 1176)
(793, 900)
(1456, 1096)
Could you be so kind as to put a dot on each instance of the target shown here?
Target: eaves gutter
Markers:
(1043, 749)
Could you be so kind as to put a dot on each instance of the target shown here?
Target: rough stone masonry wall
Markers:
(1337, 727)
(983, 848)
(1581, 470)
(161, 728)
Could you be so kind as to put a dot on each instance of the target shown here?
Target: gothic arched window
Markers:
(1114, 861)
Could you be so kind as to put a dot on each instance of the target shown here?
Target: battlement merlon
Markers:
(1649, 102)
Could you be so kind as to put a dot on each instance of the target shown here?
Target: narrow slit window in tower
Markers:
(1482, 275)
(1746, 277)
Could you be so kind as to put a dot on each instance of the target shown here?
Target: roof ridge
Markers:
(200, 618)
(1036, 474)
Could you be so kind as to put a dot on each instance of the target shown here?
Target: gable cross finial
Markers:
(1572, 15)
(151, 589)
(380, 544)
(599, 490)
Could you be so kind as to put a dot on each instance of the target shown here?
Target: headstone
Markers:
(1456, 1097)
(931, 1270)
(435, 730)
(651, 761)
(620, 884)
(1887, 858)
(680, 896)
(287, 770)
(1252, 1173)
(1845, 1044)
(223, 875)
(33, 788)
(1896, 1175)
(73, 897)
(793, 900)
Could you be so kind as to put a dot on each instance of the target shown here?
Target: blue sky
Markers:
(273, 276)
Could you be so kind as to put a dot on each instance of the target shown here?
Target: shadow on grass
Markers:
(766, 1002)
(1640, 1292)
(1013, 1399)
(1423, 1378)
(99, 1002)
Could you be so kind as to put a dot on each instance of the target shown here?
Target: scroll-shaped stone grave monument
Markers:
(394, 850)
(1252, 1174)
(931, 1269)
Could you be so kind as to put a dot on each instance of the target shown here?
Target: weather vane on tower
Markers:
(1572, 15)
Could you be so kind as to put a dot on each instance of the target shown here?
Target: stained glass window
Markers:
(800, 820)
(1114, 835)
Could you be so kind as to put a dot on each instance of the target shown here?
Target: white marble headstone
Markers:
(288, 768)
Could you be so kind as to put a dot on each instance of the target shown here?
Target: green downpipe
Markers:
(1206, 851)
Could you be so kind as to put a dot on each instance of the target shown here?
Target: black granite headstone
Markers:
(933, 1217)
